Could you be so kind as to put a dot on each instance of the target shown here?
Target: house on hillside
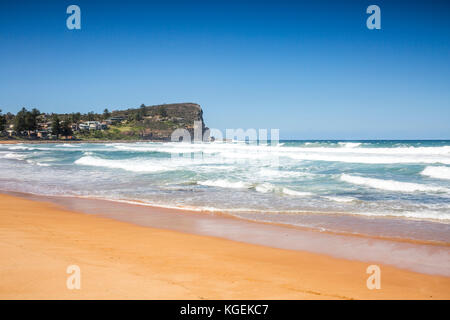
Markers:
(115, 120)
(93, 125)
(43, 134)
(83, 126)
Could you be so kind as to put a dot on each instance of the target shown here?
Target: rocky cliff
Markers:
(159, 121)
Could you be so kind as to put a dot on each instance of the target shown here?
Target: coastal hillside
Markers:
(159, 121)
(155, 122)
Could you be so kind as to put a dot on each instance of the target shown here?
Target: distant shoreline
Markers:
(36, 141)
(75, 141)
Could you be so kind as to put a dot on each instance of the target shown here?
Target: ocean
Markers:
(393, 189)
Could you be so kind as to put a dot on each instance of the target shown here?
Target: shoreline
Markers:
(426, 258)
(66, 202)
(73, 141)
(124, 260)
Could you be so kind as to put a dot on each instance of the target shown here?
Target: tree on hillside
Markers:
(76, 117)
(31, 120)
(138, 115)
(56, 125)
(91, 116)
(9, 116)
(2, 121)
(20, 124)
(130, 117)
(35, 112)
(142, 112)
(106, 114)
(162, 112)
(66, 128)
(26, 120)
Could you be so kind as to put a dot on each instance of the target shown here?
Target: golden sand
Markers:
(118, 260)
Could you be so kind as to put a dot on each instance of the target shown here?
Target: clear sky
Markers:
(311, 69)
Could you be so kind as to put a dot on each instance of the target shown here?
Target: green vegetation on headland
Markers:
(143, 123)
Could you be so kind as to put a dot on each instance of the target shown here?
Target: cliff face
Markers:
(159, 121)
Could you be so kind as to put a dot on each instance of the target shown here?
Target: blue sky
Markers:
(311, 69)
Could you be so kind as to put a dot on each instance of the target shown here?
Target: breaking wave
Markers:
(437, 172)
(350, 144)
(222, 183)
(349, 152)
(391, 185)
(128, 165)
(262, 188)
(340, 199)
(15, 156)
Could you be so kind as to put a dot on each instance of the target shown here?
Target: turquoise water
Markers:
(293, 182)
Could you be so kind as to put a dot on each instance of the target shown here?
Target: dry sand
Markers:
(121, 260)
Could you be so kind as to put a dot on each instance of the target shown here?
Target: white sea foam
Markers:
(433, 215)
(437, 172)
(340, 199)
(265, 188)
(168, 148)
(351, 152)
(391, 185)
(369, 157)
(350, 144)
(272, 173)
(40, 164)
(270, 188)
(262, 188)
(291, 192)
(15, 156)
(222, 183)
(134, 165)
(422, 215)
(18, 147)
(66, 145)
(444, 150)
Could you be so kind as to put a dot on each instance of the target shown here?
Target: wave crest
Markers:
(222, 183)
(437, 172)
(391, 185)
(134, 165)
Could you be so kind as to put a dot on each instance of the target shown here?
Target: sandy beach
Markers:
(121, 260)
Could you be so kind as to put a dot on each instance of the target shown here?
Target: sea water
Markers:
(383, 188)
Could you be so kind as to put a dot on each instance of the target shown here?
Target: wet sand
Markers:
(118, 259)
(425, 257)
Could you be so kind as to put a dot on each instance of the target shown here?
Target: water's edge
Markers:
(418, 257)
